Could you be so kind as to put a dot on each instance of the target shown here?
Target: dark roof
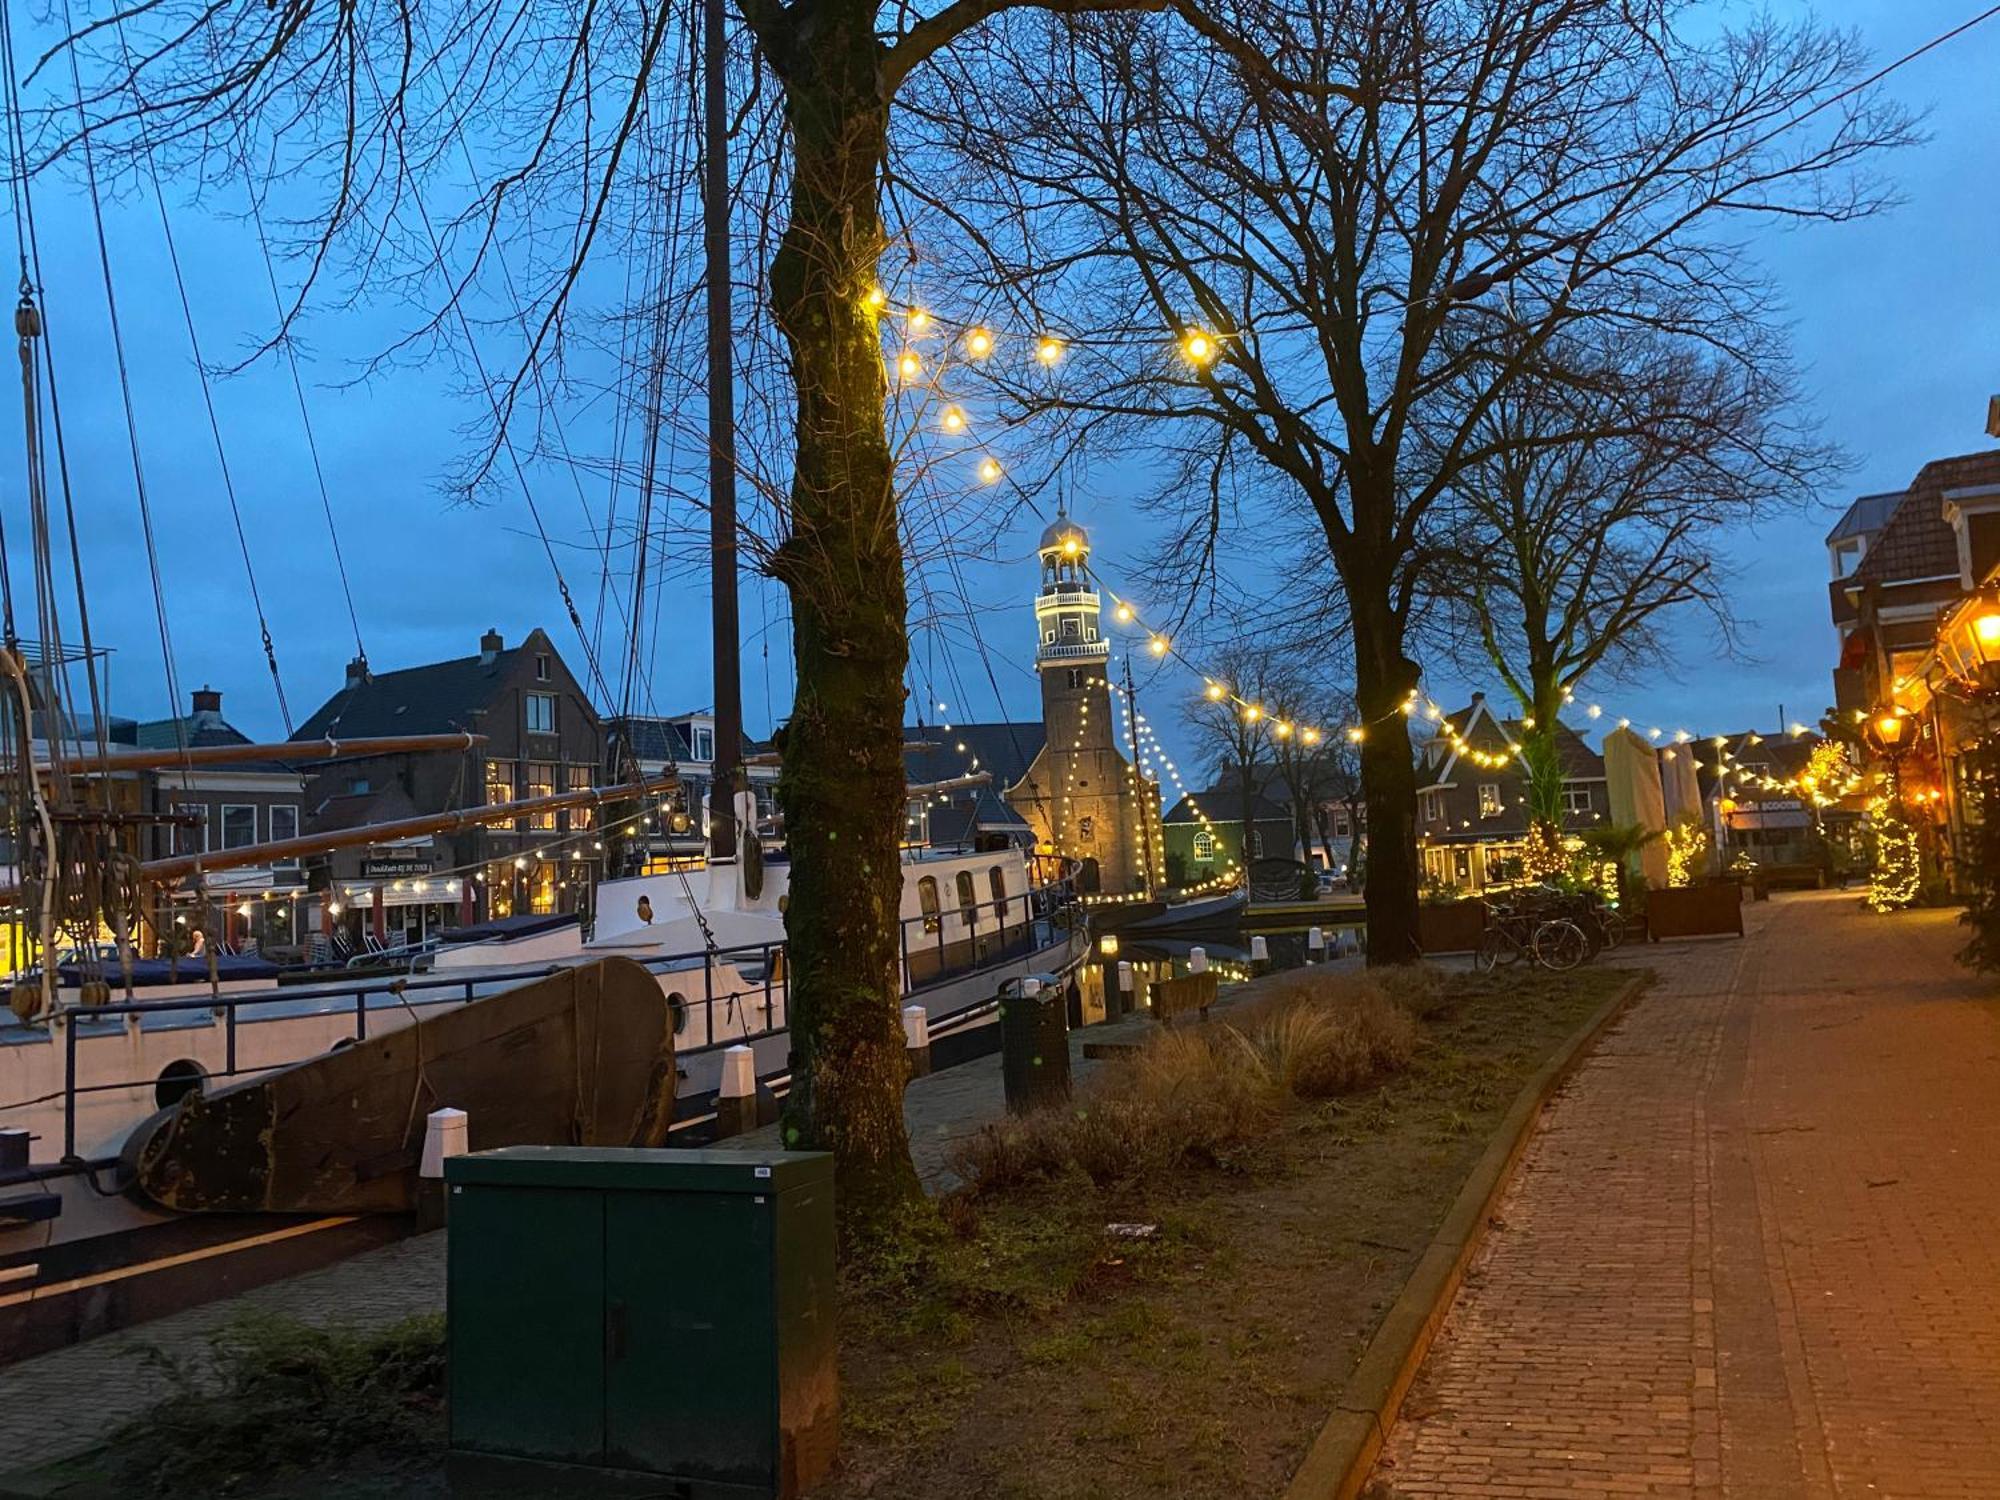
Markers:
(1496, 735)
(1007, 750)
(1918, 542)
(202, 730)
(379, 804)
(653, 737)
(1224, 804)
(435, 699)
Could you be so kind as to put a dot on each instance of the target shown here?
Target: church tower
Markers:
(1083, 798)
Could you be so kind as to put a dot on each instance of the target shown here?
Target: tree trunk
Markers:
(1384, 679)
(842, 781)
(1541, 761)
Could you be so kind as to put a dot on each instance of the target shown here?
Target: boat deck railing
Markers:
(948, 945)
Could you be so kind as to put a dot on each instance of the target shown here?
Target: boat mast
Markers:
(721, 438)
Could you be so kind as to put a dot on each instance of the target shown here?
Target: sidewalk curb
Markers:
(1343, 1454)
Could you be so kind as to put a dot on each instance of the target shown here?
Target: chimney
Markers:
(1478, 697)
(490, 646)
(207, 701)
(357, 672)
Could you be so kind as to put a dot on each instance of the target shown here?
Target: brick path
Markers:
(1755, 1248)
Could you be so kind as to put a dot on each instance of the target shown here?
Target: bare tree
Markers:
(564, 115)
(1236, 732)
(1603, 504)
(1286, 221)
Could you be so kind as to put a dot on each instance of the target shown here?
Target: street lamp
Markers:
(1886, 731)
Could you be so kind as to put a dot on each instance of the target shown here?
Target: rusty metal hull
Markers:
(583, 1057)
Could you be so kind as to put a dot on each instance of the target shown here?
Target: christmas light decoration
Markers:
(1898, 874)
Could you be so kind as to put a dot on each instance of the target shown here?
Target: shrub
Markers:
(1193, 1097)
(273, 1395)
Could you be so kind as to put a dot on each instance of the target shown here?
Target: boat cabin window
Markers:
(996, 879)
(927, 901)
(968, 903)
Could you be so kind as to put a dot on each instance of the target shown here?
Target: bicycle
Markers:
(1514, 933)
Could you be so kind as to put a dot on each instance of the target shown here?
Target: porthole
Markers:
(679, 1007)
(177, 1080)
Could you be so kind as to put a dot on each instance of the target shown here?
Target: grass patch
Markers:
(271, 1396)
(1197, 1097)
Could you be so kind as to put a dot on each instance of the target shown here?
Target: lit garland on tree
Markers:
(1687, 846)
(1898, 873)
(1542, 852)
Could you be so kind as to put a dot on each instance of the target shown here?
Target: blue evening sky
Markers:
(1896, 322)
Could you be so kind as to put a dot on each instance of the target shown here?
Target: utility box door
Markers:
(689, 1370)
(527, 1373)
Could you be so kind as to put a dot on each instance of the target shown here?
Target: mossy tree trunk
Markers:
(841, 786)
(1384, 680)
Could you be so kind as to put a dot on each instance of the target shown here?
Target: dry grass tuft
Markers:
(1194, 1097)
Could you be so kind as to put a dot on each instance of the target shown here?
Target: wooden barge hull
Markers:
(582, 1057)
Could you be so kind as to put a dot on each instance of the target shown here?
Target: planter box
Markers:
(1453, 927)
(1712, 909)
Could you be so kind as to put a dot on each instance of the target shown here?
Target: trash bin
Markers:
(661, 1314)
(1034, 1044)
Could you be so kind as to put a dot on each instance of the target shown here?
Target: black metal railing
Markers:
(1020, 925)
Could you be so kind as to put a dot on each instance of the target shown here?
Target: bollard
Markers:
(1260, 956)
(445, 1136)
(1034, 1045)
(1125, 988)
(1315, 945)
(917, 1039)
(1197, 960)
(736, 1099)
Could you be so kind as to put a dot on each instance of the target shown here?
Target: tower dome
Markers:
(1065, 536)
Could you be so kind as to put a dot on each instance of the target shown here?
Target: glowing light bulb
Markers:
(1198, 347)
(1310, 736)
(1282, 729)
(1215, 691)
(919, 320)
(909, 366)
(1048, 349)
(1252, 713)
(978, 343)
(1124, 613)
(952, 419)
(1157, 645)
(989, 470)
(1356, 735)
(876, 297)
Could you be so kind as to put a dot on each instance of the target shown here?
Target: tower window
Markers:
(1075, 677)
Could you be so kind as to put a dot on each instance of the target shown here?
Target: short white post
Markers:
(917, 1039)
(1030, 987)
(736, 1098)
(1260, 955)
(445, 1136)
(1315, 945)
(1197, 960)
(1122, 1002)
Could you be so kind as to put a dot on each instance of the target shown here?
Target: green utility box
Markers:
(665, 1318)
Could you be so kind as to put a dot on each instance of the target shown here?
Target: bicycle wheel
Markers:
(1613, 926)
(1493, 950)
(1560, 944)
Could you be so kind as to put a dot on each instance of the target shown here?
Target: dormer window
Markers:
(704, 743)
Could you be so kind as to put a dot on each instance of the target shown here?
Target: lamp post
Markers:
(1886, 731)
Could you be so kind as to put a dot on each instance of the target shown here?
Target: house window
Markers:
(1433, 807)
(1204, 846)
(239, 825)
(704, 745)
(357, 786)
(499, 783)
(1340, 826)
(541, 669)
(1489, 799)
(927, 902)
(284, 821)
(583, 813)
(192, 840)
(542, 783)
(968, 902)
(1576, 799)
(541, 713)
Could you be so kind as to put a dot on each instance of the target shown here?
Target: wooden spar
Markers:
(951, 784)
(178, 867)
(221, 755)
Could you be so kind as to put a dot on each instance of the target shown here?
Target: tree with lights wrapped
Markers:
(1898, 877)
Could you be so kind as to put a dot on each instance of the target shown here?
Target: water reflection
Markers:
(1228, 953)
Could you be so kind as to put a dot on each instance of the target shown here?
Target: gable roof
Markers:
(932, 753)
(1488, 731)
(669, 737)
(201, 730)
(438, 698)
(1917, 541)
(1224, 804)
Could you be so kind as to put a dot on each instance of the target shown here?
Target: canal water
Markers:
(1160, 957)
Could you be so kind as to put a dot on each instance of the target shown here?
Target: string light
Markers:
(919, 320)
(978, 343)
(877, 298)
(952, 419)
(1048, 349)
(989, 470)
(1198, 347)
(909, 365)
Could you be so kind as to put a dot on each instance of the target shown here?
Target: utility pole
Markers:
(722, 836)
(1139, 779)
